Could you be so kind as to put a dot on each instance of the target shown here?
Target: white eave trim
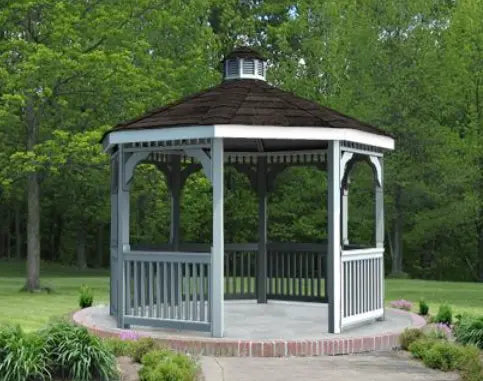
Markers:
(246, 132)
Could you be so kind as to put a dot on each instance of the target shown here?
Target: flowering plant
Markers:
(402, 304)
(442, 330)
(128, 335)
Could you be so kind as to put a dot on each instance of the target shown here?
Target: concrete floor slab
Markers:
(394, 366)
(275, 320)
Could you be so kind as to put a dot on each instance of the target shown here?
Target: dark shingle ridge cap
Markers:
(244, 52)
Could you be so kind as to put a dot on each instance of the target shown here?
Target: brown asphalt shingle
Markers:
(246, 102)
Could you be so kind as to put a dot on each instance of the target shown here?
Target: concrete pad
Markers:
(275, 320)
(393, 366)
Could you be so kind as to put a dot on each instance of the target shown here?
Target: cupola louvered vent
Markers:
(260, 68)
(233, 67)
(248, 66)
(244, 63)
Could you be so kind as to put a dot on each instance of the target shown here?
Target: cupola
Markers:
(244, 63)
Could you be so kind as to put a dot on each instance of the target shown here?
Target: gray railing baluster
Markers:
(136, 289)
(158, 290)
(179, 291)
(150, 289)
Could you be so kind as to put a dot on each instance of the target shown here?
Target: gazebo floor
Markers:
(273, 329)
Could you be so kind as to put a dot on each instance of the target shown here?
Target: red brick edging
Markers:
(266, 348)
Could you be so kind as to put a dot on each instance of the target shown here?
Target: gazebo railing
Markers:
(240, 271)
(167, 289)
(362, 282)
(297, 271)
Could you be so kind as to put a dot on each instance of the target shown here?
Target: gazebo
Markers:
(260, 130)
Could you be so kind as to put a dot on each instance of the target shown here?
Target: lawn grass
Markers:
(462, 296)
(32, 311)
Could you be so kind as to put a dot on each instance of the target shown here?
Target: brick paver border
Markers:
(264, 348)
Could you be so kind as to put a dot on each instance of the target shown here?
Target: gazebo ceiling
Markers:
(252, 103)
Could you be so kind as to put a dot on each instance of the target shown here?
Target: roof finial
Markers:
(244, 63)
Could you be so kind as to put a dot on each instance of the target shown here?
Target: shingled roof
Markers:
(246, 102)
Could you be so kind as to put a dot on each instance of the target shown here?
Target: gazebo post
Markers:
(379, 229)
(345, 214)
(261, 285)
(218, 249)
(175, 189)
(334, 259)
(123, 232)
(113, 240)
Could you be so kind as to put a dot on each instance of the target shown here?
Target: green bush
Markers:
(470, 364)
(469, 330)
(409, 336)
(442, 355)
(446, 355)
(445, 314)
(86, 297)
(77, 354)
(22, 356)
(423, 308)
(419, 347)
(165, 365)
(119, 347)
(142, 346)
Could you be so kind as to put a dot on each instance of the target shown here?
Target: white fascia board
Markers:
(246, 132)
(157, 134)
(303, 133)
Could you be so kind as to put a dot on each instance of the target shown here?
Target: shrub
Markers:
(141, 347)
(442, 355)
(22, 356)
(423, 308)
(470, 365)
(469, 330)
(86, 297)
(402, 304)
(77, 354)
(444, 315)
(419, 347)
(119, 347)
(409, 336)
(165, 365)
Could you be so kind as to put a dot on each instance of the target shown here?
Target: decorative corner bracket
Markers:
(204, 158)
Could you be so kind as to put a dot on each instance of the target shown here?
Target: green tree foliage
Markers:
(69, 70)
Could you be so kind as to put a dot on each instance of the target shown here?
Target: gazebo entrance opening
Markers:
(259, 130)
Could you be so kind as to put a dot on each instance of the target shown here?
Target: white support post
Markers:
(345, 214)
(379, 212)
(123, 233)
(217, 291)
(114, 240)
(334, 237)
(175, 189)
(379, 220)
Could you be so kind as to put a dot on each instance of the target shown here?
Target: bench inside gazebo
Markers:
(259, 130)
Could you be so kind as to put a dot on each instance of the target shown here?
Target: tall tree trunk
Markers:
(397, 259)
(81, 247)
(33, 205)
(100, 245)
(33, 233)
(18, 232)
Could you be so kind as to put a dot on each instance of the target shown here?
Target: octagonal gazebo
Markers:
(260, 130)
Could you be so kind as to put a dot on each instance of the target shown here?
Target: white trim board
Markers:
(247, 132)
